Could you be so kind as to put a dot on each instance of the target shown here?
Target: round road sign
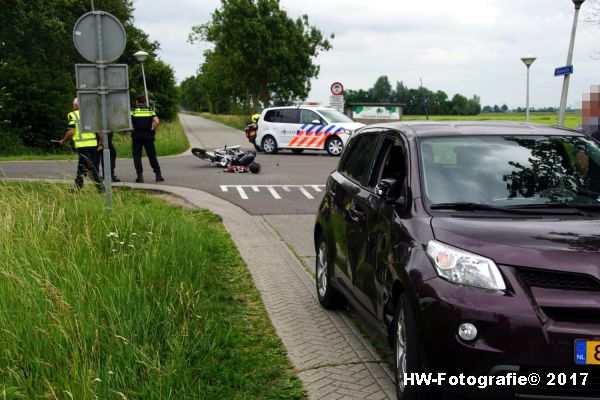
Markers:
(337, 88)
(99, 37)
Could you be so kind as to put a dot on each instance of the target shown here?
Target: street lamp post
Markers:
(527, 60)
(565, 88)
(141, 56)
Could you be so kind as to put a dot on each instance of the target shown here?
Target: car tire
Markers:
(297, 151)
(334, 146)
(329, 298)
(406, 352)
(269, 145)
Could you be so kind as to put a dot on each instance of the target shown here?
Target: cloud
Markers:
(459, 46)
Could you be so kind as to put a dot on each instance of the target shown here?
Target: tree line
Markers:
(37, 67)
(259, 56)
(417, 101)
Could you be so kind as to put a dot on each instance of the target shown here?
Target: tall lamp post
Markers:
(565, 89)
(141, 57)
(527, 60)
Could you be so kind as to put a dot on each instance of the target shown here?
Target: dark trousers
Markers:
(146, 143)
(113, 155)
(88, 166)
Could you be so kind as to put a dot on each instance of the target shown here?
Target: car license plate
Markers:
(587, 352)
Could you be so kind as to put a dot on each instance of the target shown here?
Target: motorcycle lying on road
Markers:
(232, 158)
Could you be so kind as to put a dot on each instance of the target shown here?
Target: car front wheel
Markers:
(269, 145)
(329, 298)
(334, 146)
(406, 353)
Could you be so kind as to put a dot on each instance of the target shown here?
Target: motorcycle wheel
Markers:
(254, 168)
(201, 153)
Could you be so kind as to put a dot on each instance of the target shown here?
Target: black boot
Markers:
(159, 178)
(115, 178)
(140, 179)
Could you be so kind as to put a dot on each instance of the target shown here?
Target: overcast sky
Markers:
(458, 46)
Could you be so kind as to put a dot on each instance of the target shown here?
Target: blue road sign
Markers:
(566, 70)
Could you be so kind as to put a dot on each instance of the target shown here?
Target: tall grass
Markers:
(151, 302)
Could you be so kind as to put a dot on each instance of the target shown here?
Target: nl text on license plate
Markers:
(587, 352)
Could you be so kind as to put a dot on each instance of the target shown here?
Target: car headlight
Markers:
(464, 268)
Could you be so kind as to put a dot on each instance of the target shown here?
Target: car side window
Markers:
(289, 116)
(271, 116)
(359, 166)
(349, 154)
(308, 116)
(390, 162)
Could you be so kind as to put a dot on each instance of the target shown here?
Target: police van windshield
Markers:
(334, 116)
(510, 170)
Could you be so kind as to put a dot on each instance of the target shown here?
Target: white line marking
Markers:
(242, 192)
(241, 189)
(305, 192)
(274, 193)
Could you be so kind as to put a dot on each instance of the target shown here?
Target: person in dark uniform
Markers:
(145, 123)
(113, 158)
(87, 146)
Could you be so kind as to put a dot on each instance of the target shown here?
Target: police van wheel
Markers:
(334, 146)
(297, 151)
(269, 145)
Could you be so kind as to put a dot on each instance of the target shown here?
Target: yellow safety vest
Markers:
(81, 139)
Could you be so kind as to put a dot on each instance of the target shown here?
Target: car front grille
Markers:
(572, 315)
(558, 280)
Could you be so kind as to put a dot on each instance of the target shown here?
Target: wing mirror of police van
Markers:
(316, 122)
(391, 191)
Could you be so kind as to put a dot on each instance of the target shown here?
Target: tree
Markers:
(381, 92)
(37, 58)
(261, 51)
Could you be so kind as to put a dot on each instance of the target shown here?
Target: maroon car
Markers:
(475, 247)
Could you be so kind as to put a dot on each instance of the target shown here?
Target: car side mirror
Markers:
(316, 122)
(391, 190)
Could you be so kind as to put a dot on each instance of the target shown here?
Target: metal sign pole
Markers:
(565, 88)
(103, 91)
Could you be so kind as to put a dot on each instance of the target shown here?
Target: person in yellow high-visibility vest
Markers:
(87, 146)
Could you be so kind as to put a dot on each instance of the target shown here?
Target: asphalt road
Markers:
(288, 184)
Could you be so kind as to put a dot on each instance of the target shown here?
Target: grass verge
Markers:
(170, 140)
(151, 302)
(571, 119)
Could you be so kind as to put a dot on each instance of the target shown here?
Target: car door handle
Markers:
(355, 213)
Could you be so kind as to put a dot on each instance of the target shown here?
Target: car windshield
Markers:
(334, 116)
(510, 170)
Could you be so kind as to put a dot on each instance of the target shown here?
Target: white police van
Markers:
(300, 128)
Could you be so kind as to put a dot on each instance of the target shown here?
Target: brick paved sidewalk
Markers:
(332, 358)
